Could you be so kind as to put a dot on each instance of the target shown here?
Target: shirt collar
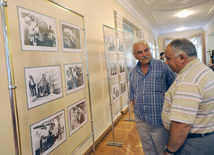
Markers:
(189, 65)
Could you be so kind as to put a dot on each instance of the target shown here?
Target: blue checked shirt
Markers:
(148, 90)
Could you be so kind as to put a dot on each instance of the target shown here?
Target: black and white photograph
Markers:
(121, 66)
(123, 87)
(77, 116)
(48, 133)
(115, 92)
(71, 37)
(43, 84)
(38, 32)
(111, 44)
(113, 68)
(74, 77)
(120, 47)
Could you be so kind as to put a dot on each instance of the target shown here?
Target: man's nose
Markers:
(143, 54)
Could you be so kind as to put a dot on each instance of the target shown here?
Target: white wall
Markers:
(209, 41)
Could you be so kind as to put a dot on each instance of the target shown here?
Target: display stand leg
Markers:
(129, 114)
(107, 66)
(112, 124)
(12, 87)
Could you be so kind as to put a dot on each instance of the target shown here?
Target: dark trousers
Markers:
(198, 146)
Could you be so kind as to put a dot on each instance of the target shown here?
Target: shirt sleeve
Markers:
(131, 91)
(170, 76)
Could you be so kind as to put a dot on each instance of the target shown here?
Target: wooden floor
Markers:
(125, 132)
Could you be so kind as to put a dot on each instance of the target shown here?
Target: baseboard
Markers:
(96, 143)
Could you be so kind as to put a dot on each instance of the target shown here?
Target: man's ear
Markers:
(182, 58)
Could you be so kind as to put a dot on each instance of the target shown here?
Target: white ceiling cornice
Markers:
(129, 7)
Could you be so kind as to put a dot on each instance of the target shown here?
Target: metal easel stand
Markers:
(12, 87)
(92, 127)
(112, 122)
(129, 119)
(114, 143)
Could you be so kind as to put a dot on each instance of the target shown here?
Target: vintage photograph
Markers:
(71, 37)
(120, 47)
(115, 92)
(123, 87)
(111, 44)
(77, 116)
(121, 66)
(38, 32)
(113, 68)
(74, 77)
(48, 134)
(43, 84)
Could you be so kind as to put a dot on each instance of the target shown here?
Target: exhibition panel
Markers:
(116, 72)
(50, 88)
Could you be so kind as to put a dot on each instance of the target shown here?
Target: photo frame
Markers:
(120, 46)
(48, 134)
(123, 87)
(111, 44)
(37, 32)
(74, 77)
(43, 84)
(113, 68)
(115, 92)
(71, 37)
(77, 116)
(121, 66)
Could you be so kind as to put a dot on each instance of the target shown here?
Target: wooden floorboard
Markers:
(125, 132)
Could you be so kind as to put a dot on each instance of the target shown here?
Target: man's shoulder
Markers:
(133, 69)
(159, 64)
(159, 61)
(196, 71)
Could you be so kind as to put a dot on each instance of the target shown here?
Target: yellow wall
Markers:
(96, 13)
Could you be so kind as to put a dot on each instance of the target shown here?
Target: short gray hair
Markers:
(183, 45)
(141, 41)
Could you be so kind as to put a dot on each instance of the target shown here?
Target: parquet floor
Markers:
(125, 132)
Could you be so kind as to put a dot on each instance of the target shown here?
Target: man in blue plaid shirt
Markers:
(149, 80)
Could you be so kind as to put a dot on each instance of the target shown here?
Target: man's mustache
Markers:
(145, 57)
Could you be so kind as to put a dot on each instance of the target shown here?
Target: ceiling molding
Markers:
(129, 7)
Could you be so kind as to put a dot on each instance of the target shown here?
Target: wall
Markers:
(96, 13)
(209, 41)
(161, 37)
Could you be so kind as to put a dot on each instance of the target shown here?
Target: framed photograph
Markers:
(121, 66)
(115, 92)
(48, 133)
(123, 87)
(74, 77)
(111, 44)
(120, 46)
(71, 37)
(38, 32)
(43, 84)
(77, 116)
(113, 68)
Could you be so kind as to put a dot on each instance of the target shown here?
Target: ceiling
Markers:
(159, 15)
